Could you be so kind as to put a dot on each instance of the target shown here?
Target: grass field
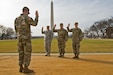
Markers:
(87, 45)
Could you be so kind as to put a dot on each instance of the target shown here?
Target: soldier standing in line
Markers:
(76, 38)
(47, 40)
(62, 38)
(22, 28)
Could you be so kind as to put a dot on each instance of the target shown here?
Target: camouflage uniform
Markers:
(76, 38)
(22, 28)
(47, 40)
(62, 38)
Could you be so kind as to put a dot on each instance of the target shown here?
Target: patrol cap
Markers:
(61, 23)
(48, 26)
(26, 8)
(76, 22)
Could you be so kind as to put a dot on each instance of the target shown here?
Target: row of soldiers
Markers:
(22, 26)
(62, 39)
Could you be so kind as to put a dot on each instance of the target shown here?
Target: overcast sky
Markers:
(86, 12)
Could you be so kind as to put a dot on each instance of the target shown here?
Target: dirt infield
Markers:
(88, 64)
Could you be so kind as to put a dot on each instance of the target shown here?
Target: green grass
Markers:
(97, 45)
(87, 45)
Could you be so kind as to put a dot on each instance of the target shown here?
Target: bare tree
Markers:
(6, 32)
(103, 27)
(2, 31)
(86, 32)
(94, 31)
(10, 32)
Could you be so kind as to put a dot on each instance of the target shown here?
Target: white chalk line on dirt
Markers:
(15, 54)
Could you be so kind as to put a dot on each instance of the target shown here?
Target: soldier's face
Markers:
(76, 25)
(47, 27)
(61, 26)
(25, 12)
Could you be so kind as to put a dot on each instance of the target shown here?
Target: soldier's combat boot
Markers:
(63, 55)
(26, 70)
(76, 57)
(60, 55)
(46, 55)
(21, 68)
